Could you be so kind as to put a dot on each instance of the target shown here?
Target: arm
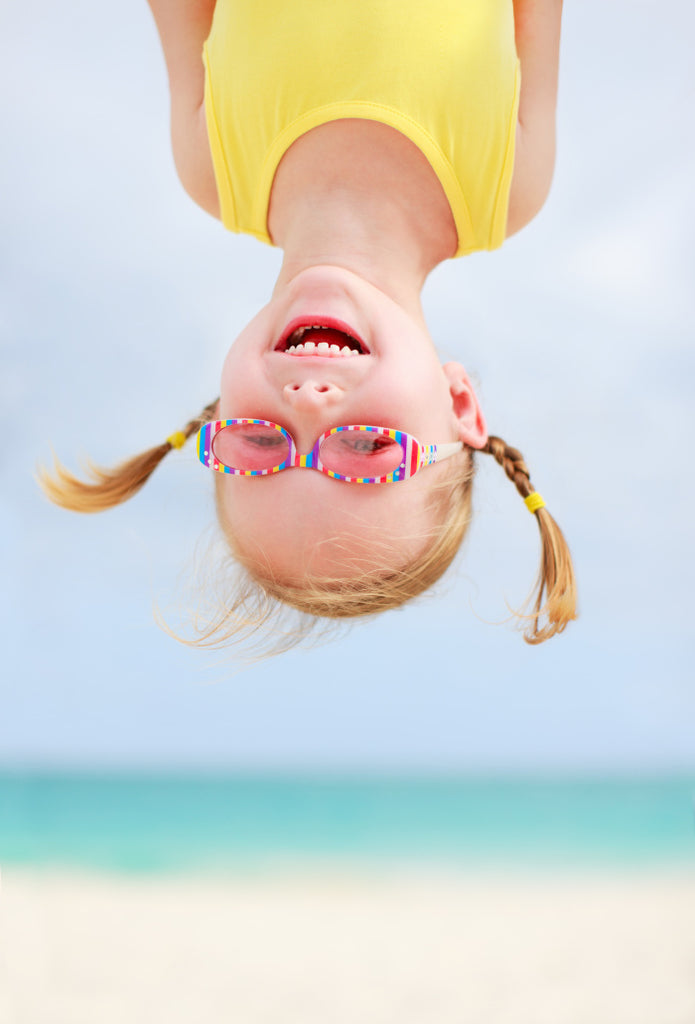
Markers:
(537, 31)
(183, 27)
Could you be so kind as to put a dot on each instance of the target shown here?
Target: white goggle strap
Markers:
(439, 452)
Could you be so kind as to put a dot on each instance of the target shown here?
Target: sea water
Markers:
(147, 822)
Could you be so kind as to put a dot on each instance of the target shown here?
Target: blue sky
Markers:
(118, 298)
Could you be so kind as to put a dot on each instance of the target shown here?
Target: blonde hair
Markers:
(255, 605)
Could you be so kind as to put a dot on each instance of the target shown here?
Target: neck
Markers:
(370, 204)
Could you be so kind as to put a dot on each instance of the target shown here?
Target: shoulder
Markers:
(537, 37)
(183, 27)
(534, 164)
(192, 157)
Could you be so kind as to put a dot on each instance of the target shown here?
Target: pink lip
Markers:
(321, 321)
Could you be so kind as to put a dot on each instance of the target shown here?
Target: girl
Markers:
(370, 141)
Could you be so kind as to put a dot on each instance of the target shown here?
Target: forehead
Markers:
(300, 522)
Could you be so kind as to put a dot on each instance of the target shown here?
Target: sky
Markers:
(118, 300)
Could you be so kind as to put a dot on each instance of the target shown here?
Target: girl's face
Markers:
(301, 521)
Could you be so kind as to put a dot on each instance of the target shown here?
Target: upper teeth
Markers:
(321, 348)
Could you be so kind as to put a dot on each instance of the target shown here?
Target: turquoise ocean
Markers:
(139, 822)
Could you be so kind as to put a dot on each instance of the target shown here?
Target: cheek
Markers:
(416, 397)
(242, 370)
(241, 386)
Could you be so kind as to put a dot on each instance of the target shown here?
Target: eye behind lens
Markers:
(361, 453)
(250, 447)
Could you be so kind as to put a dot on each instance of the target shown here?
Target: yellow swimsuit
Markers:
(443, 72)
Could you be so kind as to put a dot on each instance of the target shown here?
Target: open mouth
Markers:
(324, 337)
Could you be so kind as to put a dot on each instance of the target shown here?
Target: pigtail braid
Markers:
(555, 589)
(110, 487)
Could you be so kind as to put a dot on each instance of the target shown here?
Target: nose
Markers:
(312, 403)
(311, 394)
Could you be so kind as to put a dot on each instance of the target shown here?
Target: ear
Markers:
(471, 424)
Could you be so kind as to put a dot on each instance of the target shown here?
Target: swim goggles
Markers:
(357, 454)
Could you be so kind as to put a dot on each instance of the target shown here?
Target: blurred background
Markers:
(434, 727)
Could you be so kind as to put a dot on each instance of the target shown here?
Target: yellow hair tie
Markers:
(177, 440)
(534, 501)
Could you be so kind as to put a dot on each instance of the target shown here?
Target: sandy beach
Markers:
(385, 946)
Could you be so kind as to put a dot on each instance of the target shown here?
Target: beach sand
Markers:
(331, 946)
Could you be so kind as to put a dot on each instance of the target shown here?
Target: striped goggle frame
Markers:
(356, 454)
